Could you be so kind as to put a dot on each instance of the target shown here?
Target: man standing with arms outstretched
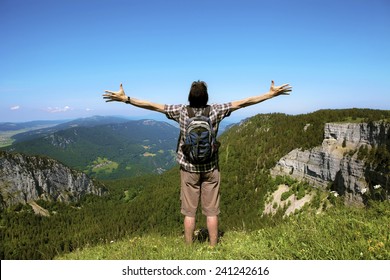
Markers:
(199, 181)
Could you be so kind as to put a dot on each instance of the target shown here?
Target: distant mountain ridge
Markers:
(62, 125)
(105, 147)
(11, 126)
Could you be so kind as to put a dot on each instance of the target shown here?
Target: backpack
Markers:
(200, 142)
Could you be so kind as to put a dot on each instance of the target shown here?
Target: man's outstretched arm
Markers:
(120, 96)
(274, 91)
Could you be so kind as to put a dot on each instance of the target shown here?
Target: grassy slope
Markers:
(302, 236)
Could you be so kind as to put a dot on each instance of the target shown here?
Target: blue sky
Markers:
(58, 57)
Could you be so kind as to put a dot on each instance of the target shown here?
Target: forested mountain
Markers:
(10, 129)
(120, 148)
(150, 204)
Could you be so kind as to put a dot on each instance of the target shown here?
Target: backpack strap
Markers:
(190, 112)
(206, 111)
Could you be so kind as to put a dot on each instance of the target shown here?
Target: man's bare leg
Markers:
(189, 227)
(212, 226)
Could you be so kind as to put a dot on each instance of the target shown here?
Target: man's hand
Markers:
(115, 95)
(274, 91)
(279, 90)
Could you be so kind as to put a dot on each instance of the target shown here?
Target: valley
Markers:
(8, 131)
(104, 147)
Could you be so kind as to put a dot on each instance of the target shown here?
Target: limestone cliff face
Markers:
(28, 178)
(336, 161)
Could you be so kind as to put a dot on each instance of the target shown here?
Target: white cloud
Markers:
(88, 109)
(17, 107)
(58, 109)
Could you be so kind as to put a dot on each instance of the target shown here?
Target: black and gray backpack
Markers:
(200, 142)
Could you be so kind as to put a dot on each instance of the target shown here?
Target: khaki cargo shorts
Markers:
(203, 185)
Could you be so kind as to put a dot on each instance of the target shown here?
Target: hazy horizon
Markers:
(58, 57)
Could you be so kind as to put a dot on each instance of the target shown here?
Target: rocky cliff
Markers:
(28, 178)
(337, 162)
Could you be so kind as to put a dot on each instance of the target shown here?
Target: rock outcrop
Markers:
(29, 178)
(336, 162)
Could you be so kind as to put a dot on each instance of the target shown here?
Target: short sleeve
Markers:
(173, 111)
(223, 110)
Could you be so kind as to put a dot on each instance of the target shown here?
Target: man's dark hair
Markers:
(198, 96)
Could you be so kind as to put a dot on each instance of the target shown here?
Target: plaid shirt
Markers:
(179, 114)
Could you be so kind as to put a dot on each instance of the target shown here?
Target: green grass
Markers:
(340, 233)
(6, 137)
(104, 165)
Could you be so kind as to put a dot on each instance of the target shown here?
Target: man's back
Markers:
(179, 113)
